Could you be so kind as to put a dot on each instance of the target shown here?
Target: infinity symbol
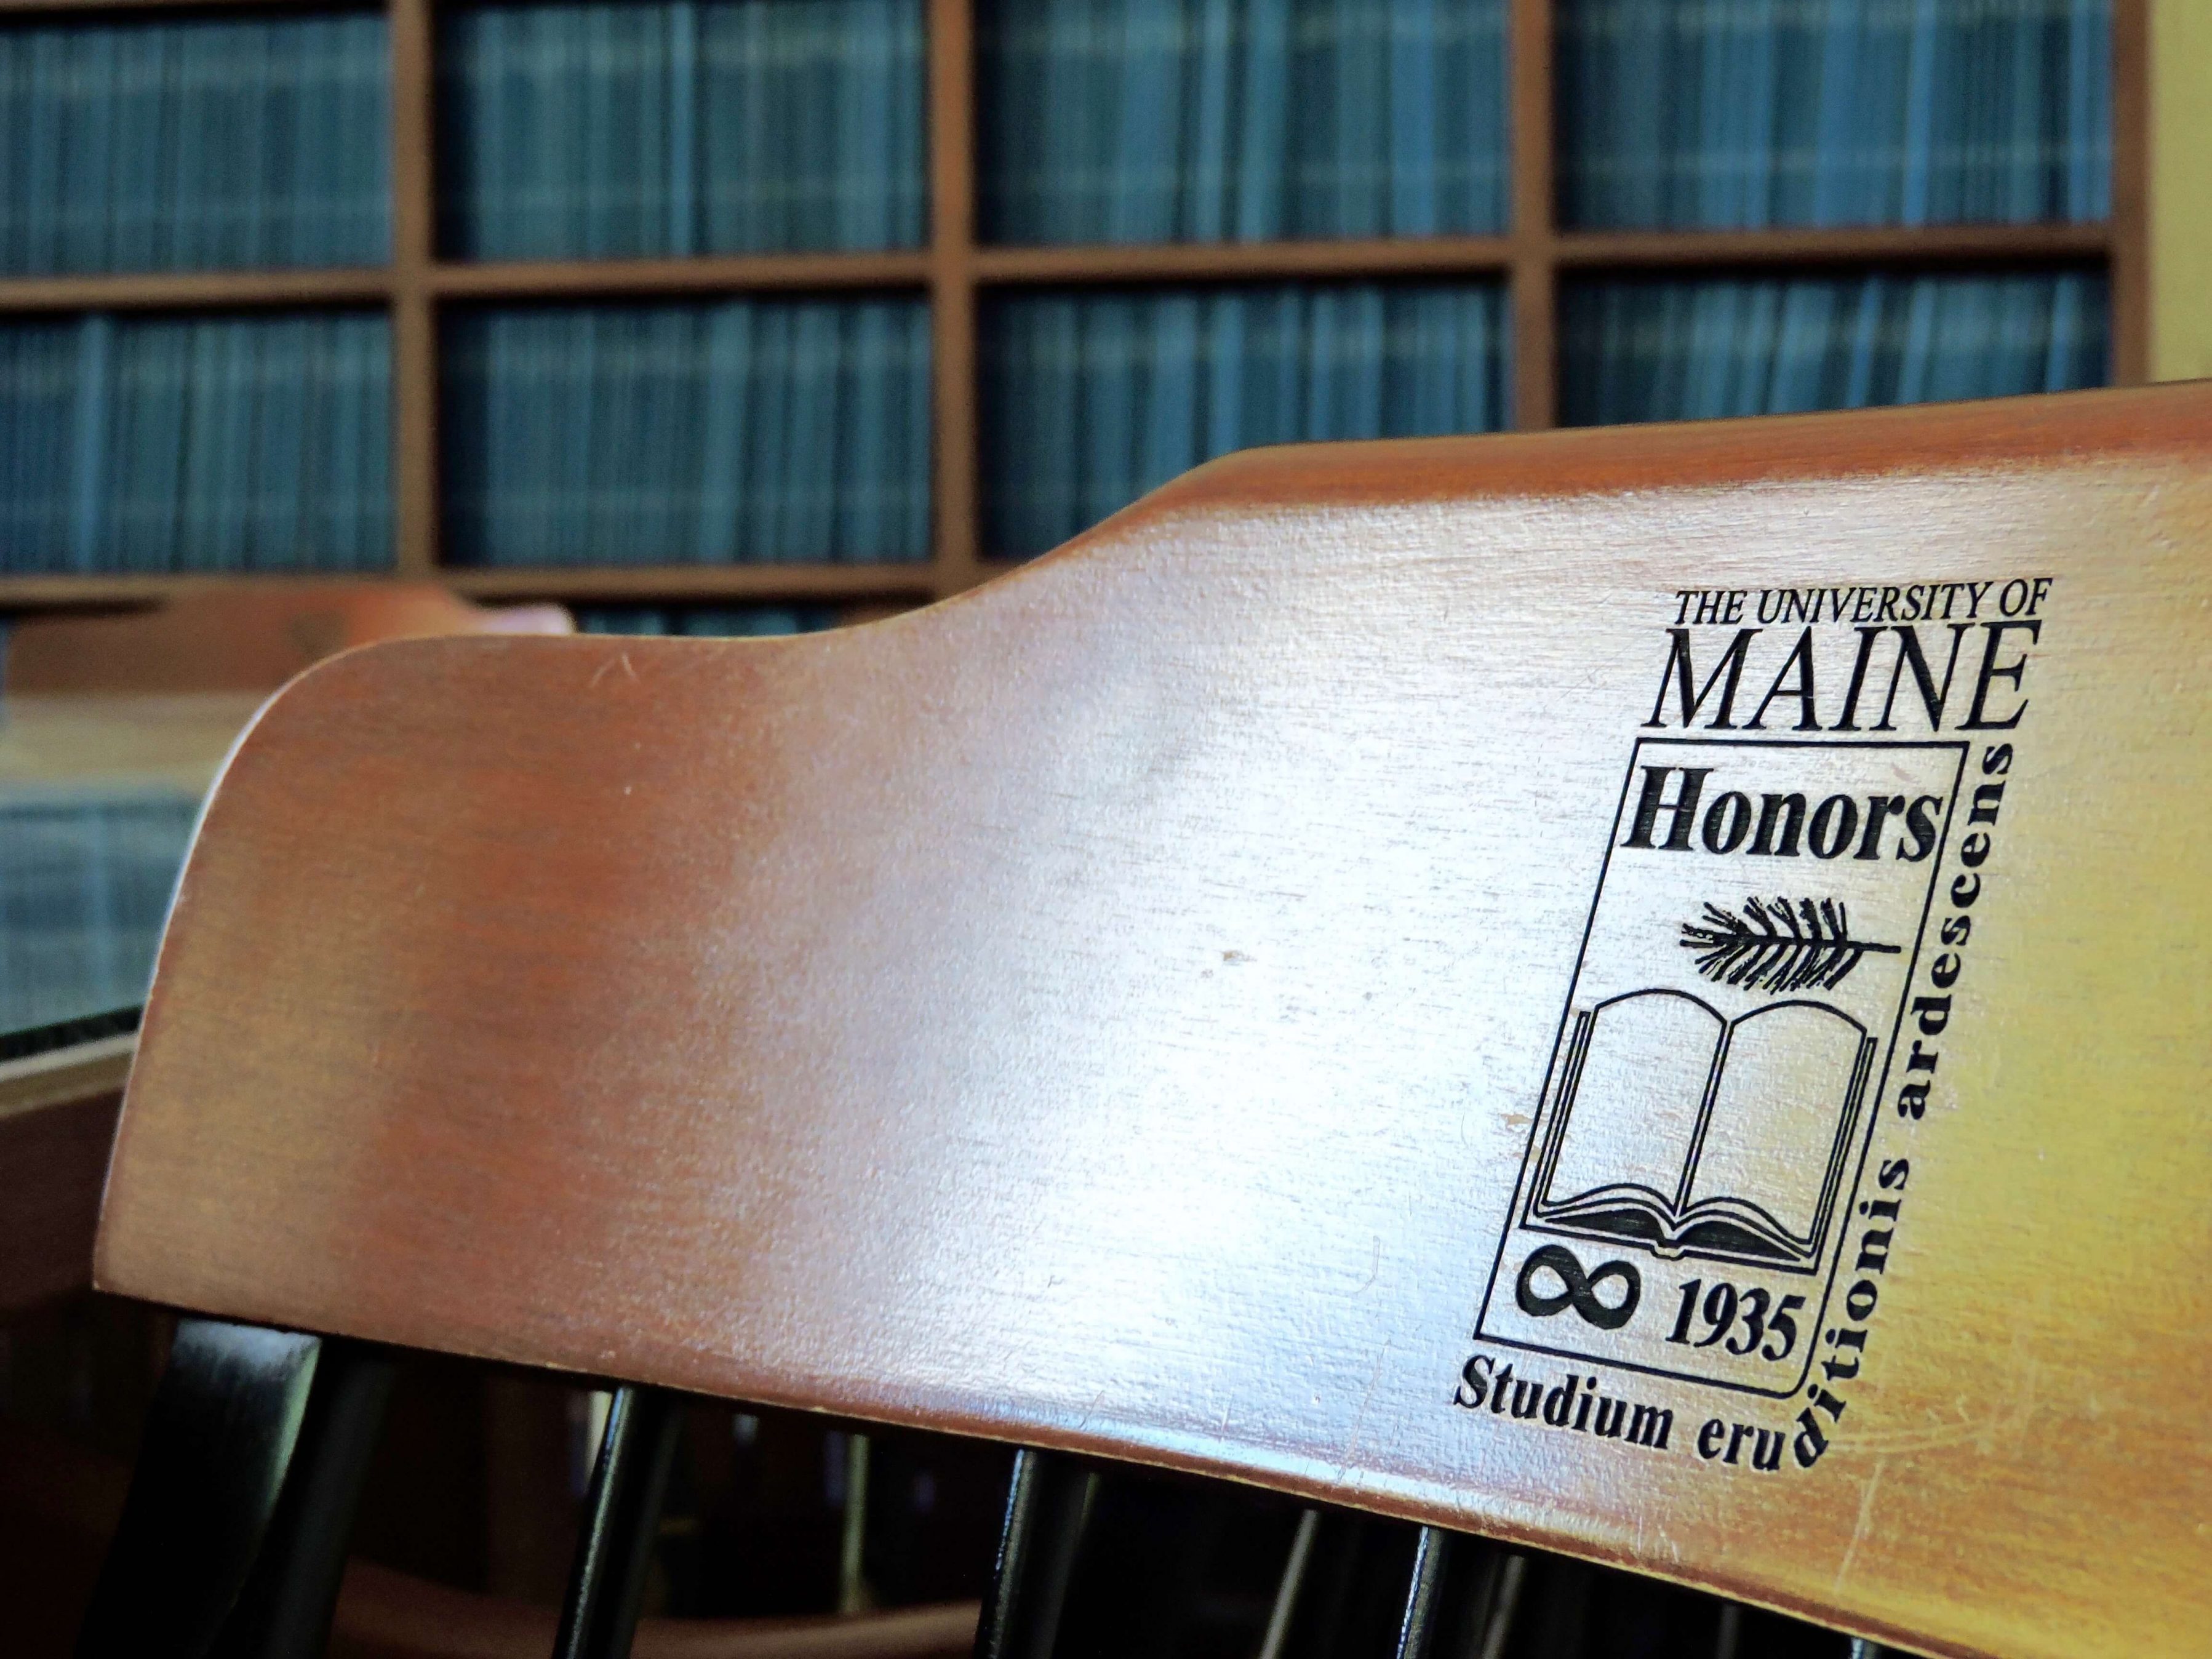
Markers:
(1580, 1292)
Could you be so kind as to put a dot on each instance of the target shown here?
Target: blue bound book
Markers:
(1166, 120)
(155, 444)
(1686, 348)
(1088, 400)
(727, 405)
(1743, 113)
(705, 622)
(634, 128)
(729, 431)
(90, 472)
(85, 882)
(90, 107)
(133, 145)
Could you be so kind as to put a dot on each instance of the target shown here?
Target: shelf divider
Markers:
(414, 303)
(954, 479)
(1535, 262)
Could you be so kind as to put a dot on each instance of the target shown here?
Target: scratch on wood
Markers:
(1862, 1526)
(1360, 1418)
(620, 659)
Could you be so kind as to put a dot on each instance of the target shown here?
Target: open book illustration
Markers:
(1701, 1135)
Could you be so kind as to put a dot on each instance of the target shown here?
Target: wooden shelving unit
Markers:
(954, 271)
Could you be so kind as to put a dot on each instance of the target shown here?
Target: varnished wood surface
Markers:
(417, 452)
(956, 396)
(238, 638)
(1108, 1010)
(1087, 264)
(732, 581)
(1531, 242)
(788, 583)
(708, 274)
(194, 289)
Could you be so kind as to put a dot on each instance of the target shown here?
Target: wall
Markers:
(2181, 189)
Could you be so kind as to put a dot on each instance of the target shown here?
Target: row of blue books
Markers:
(1677, 349)
(1750, 112)
(85, 878)
(677, 127)
(1200, 120)
(1090, 400)
(754, 430)
(210, 443)
(221, 142)
(681, 127)
(735, 431)
(720, 621)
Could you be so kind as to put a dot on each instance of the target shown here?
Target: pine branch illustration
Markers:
(1779, 945)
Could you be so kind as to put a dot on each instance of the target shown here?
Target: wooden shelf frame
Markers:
(956, 272)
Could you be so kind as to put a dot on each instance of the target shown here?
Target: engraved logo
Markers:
(1730, 1020)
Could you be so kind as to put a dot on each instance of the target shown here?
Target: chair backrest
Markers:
(1641, 992)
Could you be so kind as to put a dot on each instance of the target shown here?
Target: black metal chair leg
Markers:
(1501, 1600)
(606, 1586)
(1728, 1630)
(1289, 1585)
(1423, 1594)
(284, 1610)
(1047, 1502)
(233, 1411)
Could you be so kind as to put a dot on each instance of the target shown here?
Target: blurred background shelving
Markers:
(849, 303)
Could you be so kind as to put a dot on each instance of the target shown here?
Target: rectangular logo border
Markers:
(1961, 747)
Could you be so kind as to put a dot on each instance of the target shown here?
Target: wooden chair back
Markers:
(1275, 990)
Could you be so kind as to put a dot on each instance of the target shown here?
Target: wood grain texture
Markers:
(1107, 1010)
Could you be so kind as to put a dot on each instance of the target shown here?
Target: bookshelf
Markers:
(956, 271)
